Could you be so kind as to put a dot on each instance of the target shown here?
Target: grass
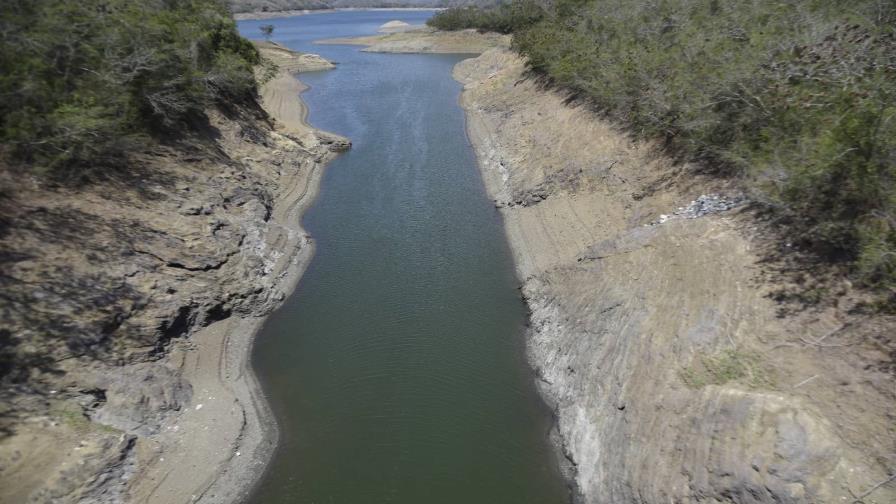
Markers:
(727, 366)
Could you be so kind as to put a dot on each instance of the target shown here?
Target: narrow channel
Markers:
(397, 368)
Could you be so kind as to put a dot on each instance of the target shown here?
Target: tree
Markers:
(267, 30)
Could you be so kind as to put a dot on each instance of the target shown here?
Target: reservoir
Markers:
(397, 369)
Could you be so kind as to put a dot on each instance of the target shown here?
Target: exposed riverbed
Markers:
(396, 370)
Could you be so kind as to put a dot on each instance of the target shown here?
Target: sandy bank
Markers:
(427, 40)
(675, 375)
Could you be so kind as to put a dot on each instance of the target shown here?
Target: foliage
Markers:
(267, 30)
(798, 97)
(80, 81)
(505, 18)
(266, 70)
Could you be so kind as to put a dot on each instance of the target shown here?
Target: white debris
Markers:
(704, 205)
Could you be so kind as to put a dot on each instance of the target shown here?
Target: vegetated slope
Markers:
(144, 195)
(655, 329)
(796, 99)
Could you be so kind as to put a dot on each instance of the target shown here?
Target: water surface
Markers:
(396, 370)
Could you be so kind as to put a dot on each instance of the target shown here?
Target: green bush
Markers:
(80, 81)
(798, 97)
(505, 18)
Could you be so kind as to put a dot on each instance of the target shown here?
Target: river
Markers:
(396, 369)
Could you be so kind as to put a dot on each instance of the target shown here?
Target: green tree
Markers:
(80, 82)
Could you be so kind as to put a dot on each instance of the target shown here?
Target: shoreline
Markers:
(259, 15)
(229, 459)
(477, 136)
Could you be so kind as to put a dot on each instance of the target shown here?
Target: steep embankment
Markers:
(674, 375)
(142, 293)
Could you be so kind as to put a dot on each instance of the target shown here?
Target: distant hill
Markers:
(284, 5)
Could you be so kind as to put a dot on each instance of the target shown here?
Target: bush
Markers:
(82, 80)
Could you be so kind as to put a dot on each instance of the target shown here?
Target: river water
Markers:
(397, 368)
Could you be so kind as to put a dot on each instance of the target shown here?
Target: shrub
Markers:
(505, 18)
(82, 80)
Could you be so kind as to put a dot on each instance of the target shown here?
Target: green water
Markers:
(397, 370)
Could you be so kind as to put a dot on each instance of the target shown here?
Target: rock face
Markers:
(107, 280)
(674, 374)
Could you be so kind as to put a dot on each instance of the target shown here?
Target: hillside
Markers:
(656, 331)
(700, 198)
(148, 224)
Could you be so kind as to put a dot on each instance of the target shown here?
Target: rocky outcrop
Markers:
(116, 291)
(655, 334)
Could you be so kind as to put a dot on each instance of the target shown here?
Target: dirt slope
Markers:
(674, 374)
